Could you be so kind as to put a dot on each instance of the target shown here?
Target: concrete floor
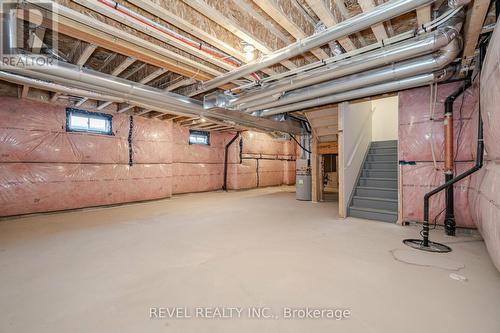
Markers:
(101, 270)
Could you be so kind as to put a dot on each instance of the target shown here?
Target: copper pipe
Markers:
(448, 143)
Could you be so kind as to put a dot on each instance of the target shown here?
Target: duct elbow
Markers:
(457, 3)
(448, 53)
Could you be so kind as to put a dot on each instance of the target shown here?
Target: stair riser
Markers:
(375, 204)
(384, 144)
(380, 173)
(382, 158)
(378, 183)
(384, 165)
(376, 193)
(373, 216)
(383, 150)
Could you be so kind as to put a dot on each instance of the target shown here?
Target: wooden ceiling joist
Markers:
(36, 39)
(122, 66)
(155, 33)
(54, 97)
(289, 22)
(423, 15)
(102, 105)
(378, 29)
(86, 28)
(86, 54)
(153, 76)
(180, 83)
(324, 13)
(473, 25)
(235, 27)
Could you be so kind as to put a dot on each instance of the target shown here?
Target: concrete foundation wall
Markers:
(44, 168)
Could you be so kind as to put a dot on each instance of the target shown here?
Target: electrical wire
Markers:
(300, 144)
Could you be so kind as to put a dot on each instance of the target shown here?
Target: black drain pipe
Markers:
(449, 183)
(449, 220)
(226, 150)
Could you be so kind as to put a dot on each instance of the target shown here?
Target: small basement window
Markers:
(199, 137)
(86, 121)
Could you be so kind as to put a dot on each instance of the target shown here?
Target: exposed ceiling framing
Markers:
(150, 48)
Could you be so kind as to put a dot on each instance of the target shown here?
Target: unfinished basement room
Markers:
(253, 166)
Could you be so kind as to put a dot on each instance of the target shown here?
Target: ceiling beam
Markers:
(272, 8)
(86, 54)
(473, 24)
(378, 29)
(324, 13)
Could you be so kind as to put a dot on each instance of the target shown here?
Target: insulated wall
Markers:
(484, 193)
(257, 161)
(421, 150)
(45, 168)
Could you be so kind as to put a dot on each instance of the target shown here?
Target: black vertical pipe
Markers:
(226, 151)
(449, 220)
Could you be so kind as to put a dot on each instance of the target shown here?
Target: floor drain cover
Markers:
(433, 247)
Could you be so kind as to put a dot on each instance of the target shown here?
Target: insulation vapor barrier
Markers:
(484, 193)
(421, 132)
(45, 168)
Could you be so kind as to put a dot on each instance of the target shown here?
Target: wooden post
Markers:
(316, 177)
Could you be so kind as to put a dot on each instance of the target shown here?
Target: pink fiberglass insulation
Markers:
(45, 168)
(484, 194)
(416, 134)
(265, 162)
(42, 187)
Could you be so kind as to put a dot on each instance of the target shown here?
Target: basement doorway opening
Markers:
(330, 184)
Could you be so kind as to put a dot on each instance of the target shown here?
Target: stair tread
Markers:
(376, 188)
(375, 198)
(378, 178)
(382, 154)
(373, 210)
(384, 170)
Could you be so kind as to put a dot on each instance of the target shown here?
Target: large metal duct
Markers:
(407, 83)
(421, 45)
(60, 73)
(425, 64)
(352, 25)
